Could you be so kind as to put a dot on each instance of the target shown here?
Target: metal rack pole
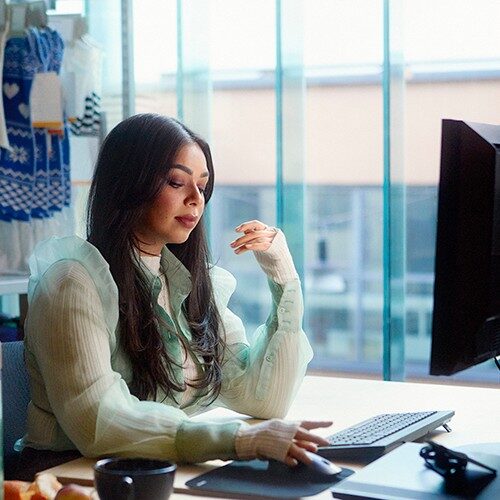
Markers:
(128, 80)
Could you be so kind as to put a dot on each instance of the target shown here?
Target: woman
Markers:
(129, 333)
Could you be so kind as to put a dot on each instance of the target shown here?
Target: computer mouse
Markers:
(320, 465)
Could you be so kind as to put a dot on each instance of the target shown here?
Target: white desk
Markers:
(348, 401)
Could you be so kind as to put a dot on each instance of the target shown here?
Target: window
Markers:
(451, 69)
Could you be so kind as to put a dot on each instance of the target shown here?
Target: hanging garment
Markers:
(4, 139)
(90, 122)
(46, 91)
(34, 175)
(81, 76)
(65, 161)
(17, 166)
(49, 195)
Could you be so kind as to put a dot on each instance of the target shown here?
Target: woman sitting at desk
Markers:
(129, 333)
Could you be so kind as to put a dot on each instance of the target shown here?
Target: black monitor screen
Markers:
(466, 317)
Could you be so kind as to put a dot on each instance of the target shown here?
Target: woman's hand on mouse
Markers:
(304, 440)
(257, 236)
(278, 439)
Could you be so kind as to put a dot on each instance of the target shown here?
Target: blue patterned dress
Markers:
(17, 166)
(34, 174)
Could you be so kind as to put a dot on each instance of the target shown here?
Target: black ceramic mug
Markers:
(134, 479)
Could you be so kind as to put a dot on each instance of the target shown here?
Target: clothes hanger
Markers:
(24, 14)
(16, 18)
(36, 14)
(3, 15)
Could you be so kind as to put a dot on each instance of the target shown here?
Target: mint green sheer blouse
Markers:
(79, 373)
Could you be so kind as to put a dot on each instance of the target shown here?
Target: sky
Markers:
(240, 34)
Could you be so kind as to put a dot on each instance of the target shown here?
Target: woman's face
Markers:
(178, 208)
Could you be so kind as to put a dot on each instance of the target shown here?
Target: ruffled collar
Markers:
(178, 277)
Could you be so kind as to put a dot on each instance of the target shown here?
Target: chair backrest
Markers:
(15, 399)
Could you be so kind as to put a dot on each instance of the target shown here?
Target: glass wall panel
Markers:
(194, 85)
(452, 52)
(290, 126)
(155, 56)
(104, 22)
(394, 194)
(242, 55)
(343, 58)
(213, 64)
(104, 27)
(67, 6)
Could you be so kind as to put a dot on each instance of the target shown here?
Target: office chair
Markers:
(15, 399)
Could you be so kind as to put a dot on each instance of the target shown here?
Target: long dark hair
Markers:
(131, 169)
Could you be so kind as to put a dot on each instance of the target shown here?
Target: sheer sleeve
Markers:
(71, 344)
(262, 379)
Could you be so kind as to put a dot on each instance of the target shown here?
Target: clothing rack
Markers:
(18, 15)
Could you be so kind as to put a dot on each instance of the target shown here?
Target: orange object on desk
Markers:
(15, 490)
(21, 490)
(46, 487)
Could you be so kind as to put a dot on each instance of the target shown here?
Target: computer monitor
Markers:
(466, 317)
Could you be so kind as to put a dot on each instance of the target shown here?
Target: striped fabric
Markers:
(90, 122)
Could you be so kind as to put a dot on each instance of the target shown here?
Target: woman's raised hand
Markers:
(256, 236)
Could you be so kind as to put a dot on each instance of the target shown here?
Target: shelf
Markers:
(12, 284)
